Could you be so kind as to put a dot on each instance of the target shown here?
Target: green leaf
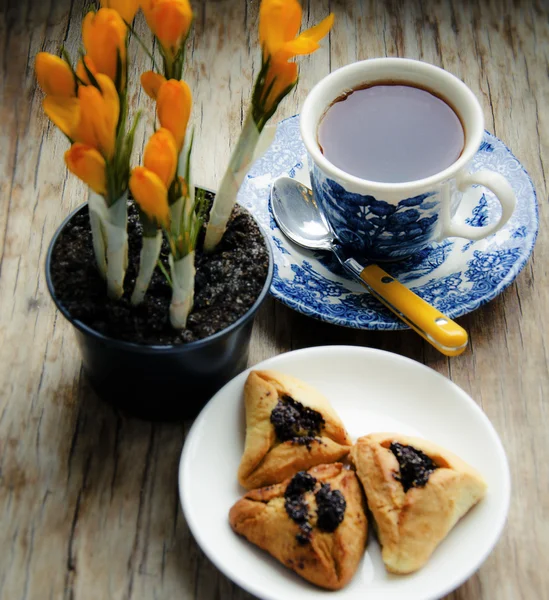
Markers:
(165, 272)
(119, 71)
(188, 160)
(91, 78)
(67, 58)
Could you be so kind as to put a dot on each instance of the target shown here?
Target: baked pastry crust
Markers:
(328, 560)
(267, 459)
(411, 524)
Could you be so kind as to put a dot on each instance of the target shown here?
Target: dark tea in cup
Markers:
(391, 146)
(391, 132)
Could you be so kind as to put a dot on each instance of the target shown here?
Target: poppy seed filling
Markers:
(331, 507)
(296, 507)
(294, 422)
(330, 503)
(415, 466)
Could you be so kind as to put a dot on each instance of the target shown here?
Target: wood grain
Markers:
(88, 499)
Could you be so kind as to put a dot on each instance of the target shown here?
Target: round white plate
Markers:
(372, 391)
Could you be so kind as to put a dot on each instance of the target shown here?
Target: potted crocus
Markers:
(161, 279)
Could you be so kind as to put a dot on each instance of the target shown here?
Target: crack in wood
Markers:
(71, 563)
(137, 538)
(116, 453)
(491, 105)
(74, 439)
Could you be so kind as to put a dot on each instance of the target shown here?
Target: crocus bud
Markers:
(169, 20)
(125, 8)
(104, 37)
(54, 75)
(151, 82)
(88, 165)
(99, 112)
(160, 155)
(150, 194)
(173, 106)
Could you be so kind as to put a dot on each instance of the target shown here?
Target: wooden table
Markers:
(88, 499)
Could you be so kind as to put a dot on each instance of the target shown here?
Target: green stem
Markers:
(183, 275)
(165, 272)
(142, 44)
(150, 251)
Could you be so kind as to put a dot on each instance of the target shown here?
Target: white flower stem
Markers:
(245, 153)
(148, 258)
(176, 209)
(117, 246)
(183, 272)
(95, 202)
(111, 221)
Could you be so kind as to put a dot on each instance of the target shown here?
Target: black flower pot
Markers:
(161, 382)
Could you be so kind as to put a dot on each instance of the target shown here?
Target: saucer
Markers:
(456, 276)
(370, 390)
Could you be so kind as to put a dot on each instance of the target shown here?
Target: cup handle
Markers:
(497, 184)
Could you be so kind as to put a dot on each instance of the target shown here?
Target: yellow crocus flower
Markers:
(54, 75)
(283, 75)
(64, 113)
(151, 195)
(125, 8)
(99, 112)
(104, 37)
(173, 106)
(151, 82)
(88, 165)
(279, 23)
(92, 118)
(160, 155)
(169, 20)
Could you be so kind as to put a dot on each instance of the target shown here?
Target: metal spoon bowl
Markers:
(301, 220)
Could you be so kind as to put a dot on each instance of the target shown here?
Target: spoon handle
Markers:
(441, 332)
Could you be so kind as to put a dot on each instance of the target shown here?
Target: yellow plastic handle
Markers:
(441, 332)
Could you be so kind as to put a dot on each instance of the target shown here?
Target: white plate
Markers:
(372, 391)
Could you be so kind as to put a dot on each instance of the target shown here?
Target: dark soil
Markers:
(228, 282)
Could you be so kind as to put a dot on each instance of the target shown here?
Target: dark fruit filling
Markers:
(415, 466)
(301, 482)
(330, 506)
(295, 422)
(295, 505)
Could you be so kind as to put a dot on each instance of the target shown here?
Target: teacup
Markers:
(389, 221)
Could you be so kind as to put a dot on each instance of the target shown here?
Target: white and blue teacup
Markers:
(389, 221)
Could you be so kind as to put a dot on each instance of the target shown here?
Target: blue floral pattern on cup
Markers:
(456, 276)
(374, 228)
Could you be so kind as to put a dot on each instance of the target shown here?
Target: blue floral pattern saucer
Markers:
(456, 276)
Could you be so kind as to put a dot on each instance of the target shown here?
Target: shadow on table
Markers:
(289, 330)
(115, 480)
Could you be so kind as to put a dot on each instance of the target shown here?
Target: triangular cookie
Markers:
(290, 427)
(314, 523)
(416, 492)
